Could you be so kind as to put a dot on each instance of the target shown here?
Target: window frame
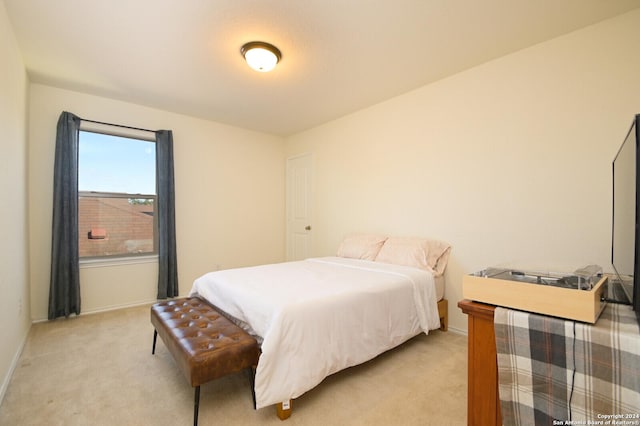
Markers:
(120, 258)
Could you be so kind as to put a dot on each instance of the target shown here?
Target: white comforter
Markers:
(319, 316)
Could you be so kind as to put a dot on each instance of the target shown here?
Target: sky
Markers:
(115, 164)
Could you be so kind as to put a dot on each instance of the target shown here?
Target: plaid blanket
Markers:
(559, 372)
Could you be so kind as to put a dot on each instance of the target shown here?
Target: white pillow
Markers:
(361, 246)
(417, 252)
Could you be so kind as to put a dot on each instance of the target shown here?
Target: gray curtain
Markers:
(64, 287)
(167, 259)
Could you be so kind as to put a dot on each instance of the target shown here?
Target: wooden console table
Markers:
(483, 402)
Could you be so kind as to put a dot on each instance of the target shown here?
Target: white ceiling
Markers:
(338, 55)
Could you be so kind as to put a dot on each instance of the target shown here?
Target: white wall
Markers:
(14, 273)
(229, 198)
(510, 161)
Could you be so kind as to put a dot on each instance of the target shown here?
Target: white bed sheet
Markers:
(319, 316)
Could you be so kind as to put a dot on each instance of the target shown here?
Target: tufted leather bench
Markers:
(204, 344)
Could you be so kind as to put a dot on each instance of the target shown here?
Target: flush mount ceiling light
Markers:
(261, 56)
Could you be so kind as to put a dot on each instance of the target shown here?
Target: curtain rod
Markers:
(118, 125)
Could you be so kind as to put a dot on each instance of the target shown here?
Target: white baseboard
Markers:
(106, 309)
(12, 367)
(458, 331)
(116, 307)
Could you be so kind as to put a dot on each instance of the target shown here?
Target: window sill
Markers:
(117, 261)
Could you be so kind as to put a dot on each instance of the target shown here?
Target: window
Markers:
(116, 195)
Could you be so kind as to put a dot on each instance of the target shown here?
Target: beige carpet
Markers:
(98, 370)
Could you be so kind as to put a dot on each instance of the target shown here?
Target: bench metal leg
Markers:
(155, 337)
(196, 403)
(252, 382)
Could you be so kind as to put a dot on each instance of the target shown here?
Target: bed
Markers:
(321, 315)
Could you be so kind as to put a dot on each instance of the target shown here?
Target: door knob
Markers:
(307, 228)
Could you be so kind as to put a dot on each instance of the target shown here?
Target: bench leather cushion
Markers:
(204, 344)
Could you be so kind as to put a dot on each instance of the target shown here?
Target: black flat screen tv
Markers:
(625, 241)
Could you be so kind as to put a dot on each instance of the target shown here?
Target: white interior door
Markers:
(299, 206)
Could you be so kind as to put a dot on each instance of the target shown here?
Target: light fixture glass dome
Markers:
(260, 56)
